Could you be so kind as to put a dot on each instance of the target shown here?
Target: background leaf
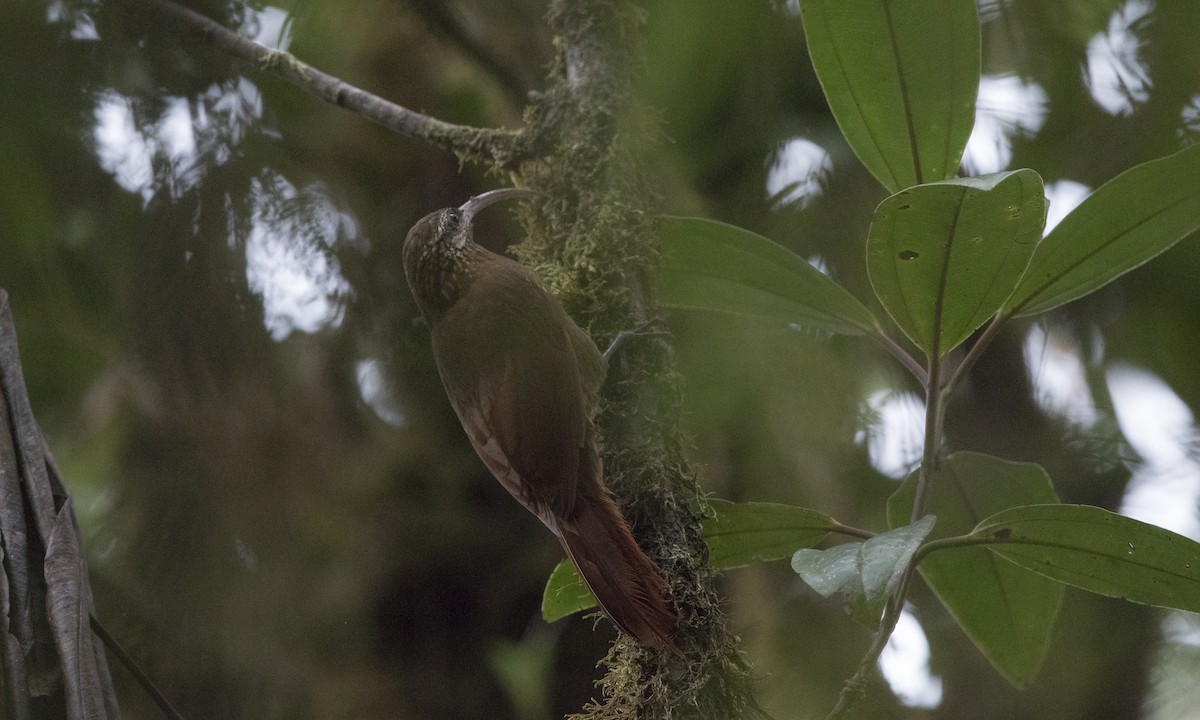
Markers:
(901, 77)
(1007, 611)
(865, 574)
(565, 593)
(742, 533)
(708, 265)
(1099, 551)
(944, 257)
(1123, 224)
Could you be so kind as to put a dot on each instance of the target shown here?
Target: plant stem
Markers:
(989, 334)
(958, 541)
(935, 397)
(933, 431)
(902, 355)
(855, 688)
(853, 531)
(138, 673)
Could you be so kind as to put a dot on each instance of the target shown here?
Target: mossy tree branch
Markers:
(593, 237)
(467, 143)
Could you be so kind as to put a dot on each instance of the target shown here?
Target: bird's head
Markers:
(438, 250)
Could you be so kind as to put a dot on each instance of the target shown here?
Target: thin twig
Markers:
(855, 688)
(985, 339)
(950, 543)
(852, 531)
(461, 140)
(131, 665)
(908, 361)
(933, 431)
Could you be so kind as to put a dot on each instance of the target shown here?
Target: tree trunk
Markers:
(592, 236)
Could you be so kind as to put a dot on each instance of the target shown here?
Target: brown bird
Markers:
(523, 379)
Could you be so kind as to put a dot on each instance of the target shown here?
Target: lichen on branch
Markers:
(500, 146)
(591, 234)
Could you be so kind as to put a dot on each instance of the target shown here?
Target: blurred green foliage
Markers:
(283, 516)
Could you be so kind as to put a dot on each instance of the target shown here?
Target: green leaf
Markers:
(565, 593)
(709, 265)
(1099, 551)
(865, 574)
(1126, 222)
(737, 534)
(1007, 611)
(943, 257)
(742, 533)
(835, 571)
(901, 77)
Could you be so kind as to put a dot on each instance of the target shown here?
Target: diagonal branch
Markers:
(498, 145)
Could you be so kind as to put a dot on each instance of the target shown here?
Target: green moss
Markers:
(591, 236)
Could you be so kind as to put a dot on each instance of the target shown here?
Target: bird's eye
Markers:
(450, 220)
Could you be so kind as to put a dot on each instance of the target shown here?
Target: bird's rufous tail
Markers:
(624, 580)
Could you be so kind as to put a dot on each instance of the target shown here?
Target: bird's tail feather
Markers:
(624, 580)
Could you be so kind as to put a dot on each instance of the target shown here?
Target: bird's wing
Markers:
(592, 365)
(511, 371)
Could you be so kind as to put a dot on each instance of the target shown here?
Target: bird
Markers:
(523, 379)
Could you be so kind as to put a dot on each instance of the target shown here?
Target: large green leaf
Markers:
(1123, 224)
(737, 534)
(901, 77)
(943, 257)
(743, 533)
(1007, 611)
(864, 574)
(1100, 551)
(708, 265)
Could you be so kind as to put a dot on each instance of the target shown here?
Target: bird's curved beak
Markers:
(479, 202)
